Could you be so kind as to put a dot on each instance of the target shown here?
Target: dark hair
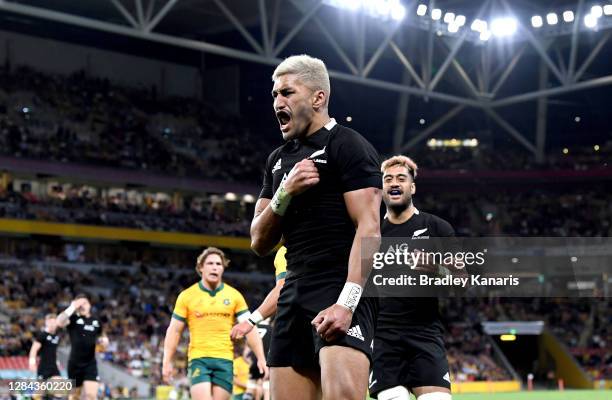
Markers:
(81, 296)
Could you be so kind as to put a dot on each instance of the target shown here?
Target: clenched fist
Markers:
(302, 176)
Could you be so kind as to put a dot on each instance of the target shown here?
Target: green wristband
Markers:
(280, 201)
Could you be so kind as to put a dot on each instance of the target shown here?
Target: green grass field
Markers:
(540, 395)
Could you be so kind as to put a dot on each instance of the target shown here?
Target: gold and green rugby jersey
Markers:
(210, 315)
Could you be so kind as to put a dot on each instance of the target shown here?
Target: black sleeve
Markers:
(72, 325)
(357, 160)
(267, 190)
(38, 336)
(443, 228)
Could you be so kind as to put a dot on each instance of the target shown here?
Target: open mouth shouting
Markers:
(284, 120)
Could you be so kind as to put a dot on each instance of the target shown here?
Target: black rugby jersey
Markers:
(48, 349)
(317, 229)
(84, 332)
(406, 311)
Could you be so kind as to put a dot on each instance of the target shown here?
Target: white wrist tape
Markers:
(255, 318)
(32, 361)
(350, 295)
(70, 310)
(243, 317)
(281, 199)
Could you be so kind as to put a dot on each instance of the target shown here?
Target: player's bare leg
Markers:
(287, 383)
(201, 391)
(344, 373)
(76, 395)
(90, 390)
(218, 393)
(433, 392)
(259, 390)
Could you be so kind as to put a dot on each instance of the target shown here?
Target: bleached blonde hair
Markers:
(311, 71)
(402, 161)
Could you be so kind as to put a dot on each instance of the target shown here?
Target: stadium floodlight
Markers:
(449, 17)
(453, 27)
(378, 7)
(460, 20)
(436, 14)
(607, 9)
(536, 21)
(568, 16)
(398, 11)
(590, 21)
(485, 35)
(552, 19)
(596, 11)
(421, 10)
(479, 25)
(346, 4)
(504, 26)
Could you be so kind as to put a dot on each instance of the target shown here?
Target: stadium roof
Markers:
(433, 49)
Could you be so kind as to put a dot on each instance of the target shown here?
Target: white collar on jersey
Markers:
(330, 125)
(416, 211)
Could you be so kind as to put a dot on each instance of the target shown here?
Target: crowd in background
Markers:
(552, 212)
(584, 325)
(87, 120)
(82, 119)
(487, 157)
(134, 305)
(158, 215)
(79, 119)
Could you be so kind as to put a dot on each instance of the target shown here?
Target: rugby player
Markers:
(321, 195)
(85, 331)
(45, 343)
(209, 308)
(409, 352)
(241, 372)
